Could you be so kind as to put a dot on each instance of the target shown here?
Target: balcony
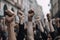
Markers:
(14, 3)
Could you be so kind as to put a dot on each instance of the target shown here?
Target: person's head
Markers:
(57, 21)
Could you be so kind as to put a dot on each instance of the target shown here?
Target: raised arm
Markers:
(30, 35)
(38, 22)
(41, 27)
(50, 23)
(10, 25)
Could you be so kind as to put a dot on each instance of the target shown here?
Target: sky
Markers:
(45, 7)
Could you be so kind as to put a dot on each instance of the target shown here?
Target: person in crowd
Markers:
(46, 28)
(10, 24)
(21, 33)
(41, 29)
(54, 34)
(3, 29)
(25, 30)
(30, 35)
(37, 33)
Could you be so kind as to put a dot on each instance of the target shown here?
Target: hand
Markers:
(48, 17)
(10, 18)
(30, 15)
(38, 18)
(21, 17)
(9, 12)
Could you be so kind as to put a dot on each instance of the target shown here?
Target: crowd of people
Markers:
(13, 27)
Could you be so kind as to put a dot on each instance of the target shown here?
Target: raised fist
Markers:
(37, 19)
(10, 16)
(21, 15)
(30, 15)
(9, 12)
(48, 17)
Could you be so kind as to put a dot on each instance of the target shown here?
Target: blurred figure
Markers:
(10, 24)
(3, 29)
(53, 32)
(30, 35)
(41, 29)
(37, 30)
(49, 37)
(46, 28)
(16, 28)
(21, 33)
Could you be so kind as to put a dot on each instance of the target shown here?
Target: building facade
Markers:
(23, 5)
(27, 5)
(40, 12)
(14, 5)
(32, 4)
(55, 8)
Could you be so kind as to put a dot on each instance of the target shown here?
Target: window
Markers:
(5, 8)
(12, 9)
